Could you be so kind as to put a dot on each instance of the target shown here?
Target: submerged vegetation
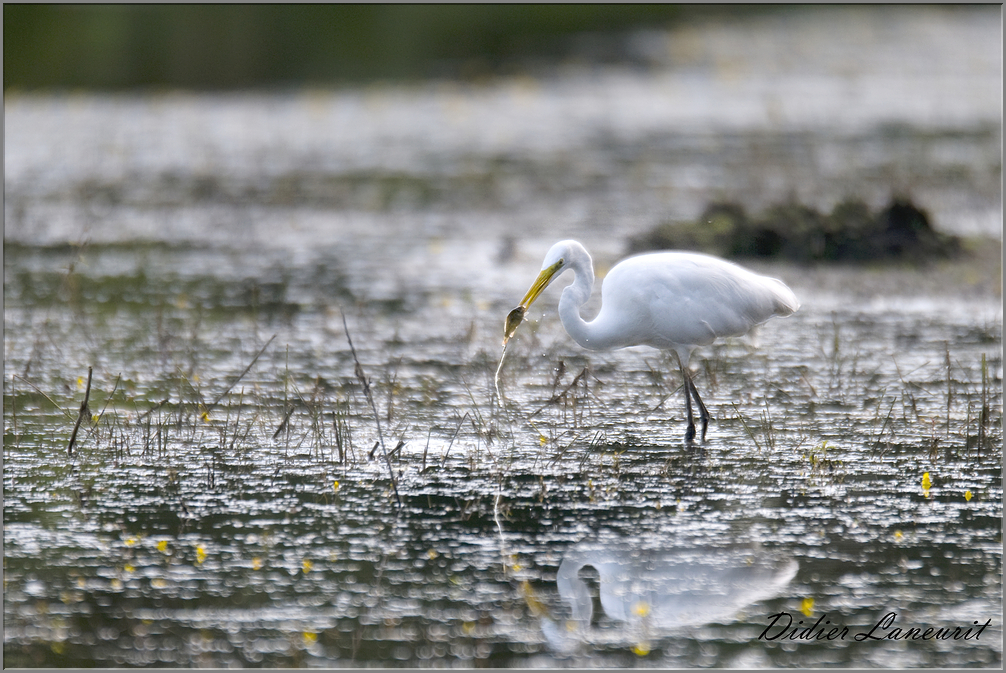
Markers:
(851, 232)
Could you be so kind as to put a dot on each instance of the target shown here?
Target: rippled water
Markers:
(227, 510)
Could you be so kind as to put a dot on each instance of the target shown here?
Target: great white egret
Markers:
(667, 300)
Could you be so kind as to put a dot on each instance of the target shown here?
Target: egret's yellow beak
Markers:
(516, 316)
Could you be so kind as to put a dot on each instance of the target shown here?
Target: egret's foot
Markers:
(690, 433)
(703, 412)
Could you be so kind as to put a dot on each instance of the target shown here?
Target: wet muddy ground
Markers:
(228, 501)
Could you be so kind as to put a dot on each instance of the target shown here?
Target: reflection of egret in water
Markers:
(654, 592)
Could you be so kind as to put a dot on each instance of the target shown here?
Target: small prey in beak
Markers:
(516, 316)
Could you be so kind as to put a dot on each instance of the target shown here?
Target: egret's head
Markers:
(555, 262)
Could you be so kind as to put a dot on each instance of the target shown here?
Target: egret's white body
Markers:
(667, 300)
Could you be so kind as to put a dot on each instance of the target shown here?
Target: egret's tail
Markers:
(786, 302)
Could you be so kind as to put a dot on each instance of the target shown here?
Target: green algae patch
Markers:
(851, 232)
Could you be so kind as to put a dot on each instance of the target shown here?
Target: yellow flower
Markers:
(641, 609)
(468, 628)
(926, 482)
(641, 649)
(200, 555)
(968, 496)
(307, 565)
(431, 554)
(130, 541)
(162, 546)
(256, 563)
(129, 568)
(310, 637)
(807, 606)
(898, 535)
(335, 485)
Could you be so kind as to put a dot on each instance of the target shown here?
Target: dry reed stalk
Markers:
(80, 416)
(370, 398)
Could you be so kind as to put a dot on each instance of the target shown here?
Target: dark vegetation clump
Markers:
(795, 232)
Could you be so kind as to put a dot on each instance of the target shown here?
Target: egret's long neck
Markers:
(573, 297)
(595, 335)
(575, 592)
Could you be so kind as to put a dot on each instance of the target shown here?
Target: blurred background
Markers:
(626, 117)
(266, 46)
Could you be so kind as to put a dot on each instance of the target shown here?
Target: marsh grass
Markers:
(566, 436)
(566, 421)
(342, 431)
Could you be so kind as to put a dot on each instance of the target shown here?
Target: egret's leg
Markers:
(687, 387)
(703, 414)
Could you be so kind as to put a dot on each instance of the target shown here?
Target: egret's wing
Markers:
(688, 299)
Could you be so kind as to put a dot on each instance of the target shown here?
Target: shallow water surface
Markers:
(228, 499)
(265, 529)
